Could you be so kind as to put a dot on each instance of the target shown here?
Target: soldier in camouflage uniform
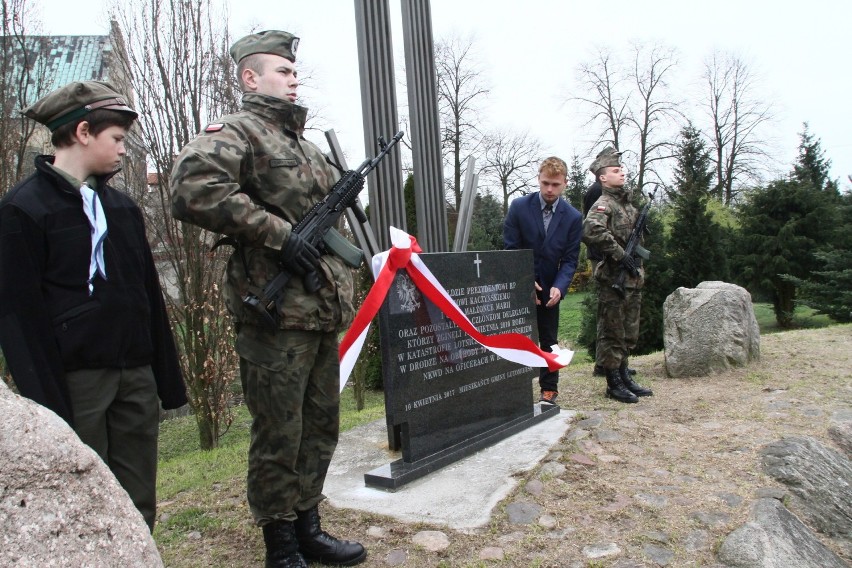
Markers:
(252, 176)
(607, 227)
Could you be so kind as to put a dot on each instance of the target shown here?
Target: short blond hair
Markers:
(253, 62)
(553, 166)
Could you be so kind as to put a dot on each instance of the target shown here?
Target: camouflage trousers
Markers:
(290, 381)
(618, 325)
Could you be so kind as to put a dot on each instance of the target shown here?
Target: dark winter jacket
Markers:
(49, 324)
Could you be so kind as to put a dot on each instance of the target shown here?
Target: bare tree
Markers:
(183, 78)
(654, 110)
(607, 96)
(736, 115)
(460, 88)
(511, 160)
(23, 80)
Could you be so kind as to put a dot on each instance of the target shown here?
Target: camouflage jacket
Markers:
(252, 176)
(607, 227)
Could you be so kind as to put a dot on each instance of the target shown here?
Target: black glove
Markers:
(299, 255)
(629, 264)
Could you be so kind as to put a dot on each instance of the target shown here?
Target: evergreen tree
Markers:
(781, 226)
(410, 206)
(696, 251)
(811, 164)
(829, 289)
(576, 183)
(486, 224)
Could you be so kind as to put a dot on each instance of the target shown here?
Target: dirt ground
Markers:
(661, 482)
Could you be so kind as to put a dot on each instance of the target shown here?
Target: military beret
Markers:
(270, 41)
(608, 157)
(76, 100)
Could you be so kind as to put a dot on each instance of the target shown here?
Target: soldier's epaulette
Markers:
(214, 127)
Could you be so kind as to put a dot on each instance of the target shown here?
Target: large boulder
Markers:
(774, 538)
(819, 479)
(709, 329)
(60, 505)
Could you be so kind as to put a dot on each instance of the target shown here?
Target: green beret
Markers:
(606, 158)
(76, 100)
(270, 41)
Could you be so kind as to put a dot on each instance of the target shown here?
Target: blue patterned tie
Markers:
(98, 225)
(547, 216)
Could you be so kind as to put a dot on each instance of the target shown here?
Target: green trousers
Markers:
(618, 325)
(117, 413)
(291, 386)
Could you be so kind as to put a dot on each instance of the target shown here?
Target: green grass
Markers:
(184, 466)
(803, 317)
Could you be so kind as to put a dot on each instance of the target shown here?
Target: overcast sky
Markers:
(529, 52)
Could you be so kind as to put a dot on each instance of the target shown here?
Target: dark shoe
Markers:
(316, 545)
(632, 385)
(601, 372)
(282, 548)
(548, 397)
(616, 389)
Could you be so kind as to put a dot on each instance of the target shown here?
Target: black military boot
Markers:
(601, 372)
(615, 388)
(630, 384)
(282, 548)
(316, 545)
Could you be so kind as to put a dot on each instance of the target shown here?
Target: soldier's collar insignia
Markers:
(216, 127)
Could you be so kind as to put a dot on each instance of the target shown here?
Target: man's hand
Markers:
(555, 296)
(537, 290)
(299, 255)
(629, 264)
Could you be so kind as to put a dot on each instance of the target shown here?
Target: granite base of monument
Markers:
(446, 396)
(396, 474)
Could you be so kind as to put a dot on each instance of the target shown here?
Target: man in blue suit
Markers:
(552, 228)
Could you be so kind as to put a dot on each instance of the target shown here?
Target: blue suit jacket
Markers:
(556, 253)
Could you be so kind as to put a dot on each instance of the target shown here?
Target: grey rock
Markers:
(697, 540)
(658, 555)
(657, 536)
(534, 487)
(396, 557)
(711, 518)
(59, 502)
(433, 541)
(552, 469)
(607, 436)
(601, 550)
(771, 493)
(591, 422)
(522, 513)
(377, 532)
(730, 499)
(775, 538)
(710, 328)
(577, 434)
(820, 481)
(841, 434)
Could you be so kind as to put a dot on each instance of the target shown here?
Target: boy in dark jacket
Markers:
(83, 325)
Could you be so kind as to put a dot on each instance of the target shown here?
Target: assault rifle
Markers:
(633, 247)
(317, 227)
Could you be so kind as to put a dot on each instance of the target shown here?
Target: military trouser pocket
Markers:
(274, 370)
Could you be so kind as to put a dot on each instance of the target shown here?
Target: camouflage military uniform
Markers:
(607, 227)
(252, 176)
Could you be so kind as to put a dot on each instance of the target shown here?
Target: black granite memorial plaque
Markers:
(446, 396)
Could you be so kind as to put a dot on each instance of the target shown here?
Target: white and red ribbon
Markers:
(513, 347)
